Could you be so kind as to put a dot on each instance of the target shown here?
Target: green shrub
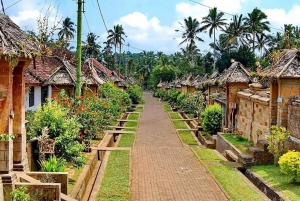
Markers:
(62, 128)
(135, 94)
(119, 98)
(172, 95)
(19, 194)
(161, 93)
(289, 164)
(53, 164)
(180, 99)
(212, 118)
(277, 138)
(193, 103)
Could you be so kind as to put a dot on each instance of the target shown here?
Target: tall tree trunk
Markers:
(253, 42)
(214, 50)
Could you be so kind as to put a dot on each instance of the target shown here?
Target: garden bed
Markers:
(271, 176)
(239, 142)
(231, 180)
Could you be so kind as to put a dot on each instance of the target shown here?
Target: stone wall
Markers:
(253, 114)
(294, 124)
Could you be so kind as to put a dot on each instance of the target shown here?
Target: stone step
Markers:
(210, 144)
(245, 160)
(214, 138)
(231, 156)
(253, 150)
(263, 144)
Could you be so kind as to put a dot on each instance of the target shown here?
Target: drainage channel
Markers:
(109, 143)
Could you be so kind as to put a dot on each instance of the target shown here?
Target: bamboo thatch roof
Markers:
(287, 66)
(235, 73)
(14, 42)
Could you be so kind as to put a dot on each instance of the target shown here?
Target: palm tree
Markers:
(234, 33)
(191, 29)
(91, 49)
(256, 22)
(190, 52)
(67, 31)
(115, 37)
(262, 43)
(212, 22)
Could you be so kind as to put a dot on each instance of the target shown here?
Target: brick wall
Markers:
(253, 113)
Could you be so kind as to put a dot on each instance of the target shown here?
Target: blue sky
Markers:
(149, 24)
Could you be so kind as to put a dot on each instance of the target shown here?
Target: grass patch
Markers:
(115, 184)
(180, 124)
(127, 140)
(73, 176)
(139, 109)
(206, 135)
(133, 116)
(175, 115)
(272, 175)
(241, 143)
(208, 155)
(167, 107)
(187, 137)
(236, 187)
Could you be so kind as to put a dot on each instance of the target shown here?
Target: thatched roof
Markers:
(287, 66)
(235, 73)
(14, 42)
(187, 81)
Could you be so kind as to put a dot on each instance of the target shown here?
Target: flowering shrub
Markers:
(119, 98)
(212, 118)
(193, 103)
(289, 164)
(276, 139)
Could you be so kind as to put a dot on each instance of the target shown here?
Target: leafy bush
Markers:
(19, 194)
(193, 103)
(276, 139)
(29, 116)
(172, 95)
(119, 98)
(53, 164)
(161, 93)
(62, 128)
(135, 94)
(289, 164)
(212, 118)
(180, 99)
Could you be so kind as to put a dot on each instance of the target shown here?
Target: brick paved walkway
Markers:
(162, 168)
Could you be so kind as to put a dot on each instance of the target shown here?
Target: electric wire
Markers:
(102, 15)
(12, 5)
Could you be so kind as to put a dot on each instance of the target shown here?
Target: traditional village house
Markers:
(233, 79)
(109, 75)
(186, 84)
(16, 50)
(284, 79)
(48, 75)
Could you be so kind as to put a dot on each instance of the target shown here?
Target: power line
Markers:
(226, 12)
(102, 15)
(87, 22)
(12, 5)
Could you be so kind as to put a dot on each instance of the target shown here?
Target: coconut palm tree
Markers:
(213, 21)
(234, 33)
(263, 42)
(256, 22)
(67, 31)
(191, 29)
(91, 49)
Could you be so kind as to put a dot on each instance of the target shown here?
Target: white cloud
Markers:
(278, 17)
(145, 32)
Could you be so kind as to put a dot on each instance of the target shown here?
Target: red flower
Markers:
(53, 96)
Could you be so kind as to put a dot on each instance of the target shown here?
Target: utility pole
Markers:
(79, 32)
(3, 10)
